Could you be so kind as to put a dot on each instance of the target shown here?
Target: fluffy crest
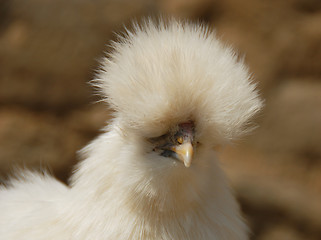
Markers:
(166, 73)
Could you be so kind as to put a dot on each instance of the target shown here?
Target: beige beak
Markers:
(184, 153)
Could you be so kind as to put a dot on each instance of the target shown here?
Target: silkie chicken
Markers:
(177, 93)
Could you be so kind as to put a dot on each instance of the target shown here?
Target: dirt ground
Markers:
(50, 49)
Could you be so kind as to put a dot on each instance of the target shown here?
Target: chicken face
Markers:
(177, 143)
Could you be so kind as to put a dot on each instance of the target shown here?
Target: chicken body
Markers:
(171, 85)
(181, 203)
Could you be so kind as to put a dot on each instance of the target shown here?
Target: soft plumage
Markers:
(177, 93)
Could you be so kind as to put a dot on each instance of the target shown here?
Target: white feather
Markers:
(157, 77)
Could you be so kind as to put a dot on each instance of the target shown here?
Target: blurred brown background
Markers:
(50, 49)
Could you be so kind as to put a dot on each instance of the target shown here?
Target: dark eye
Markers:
(167, 153)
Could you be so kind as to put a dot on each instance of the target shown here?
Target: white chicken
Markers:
(177, 93)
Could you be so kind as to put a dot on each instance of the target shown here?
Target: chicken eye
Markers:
(180, 140)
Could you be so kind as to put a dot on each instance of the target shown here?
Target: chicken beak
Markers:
(184, 153)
